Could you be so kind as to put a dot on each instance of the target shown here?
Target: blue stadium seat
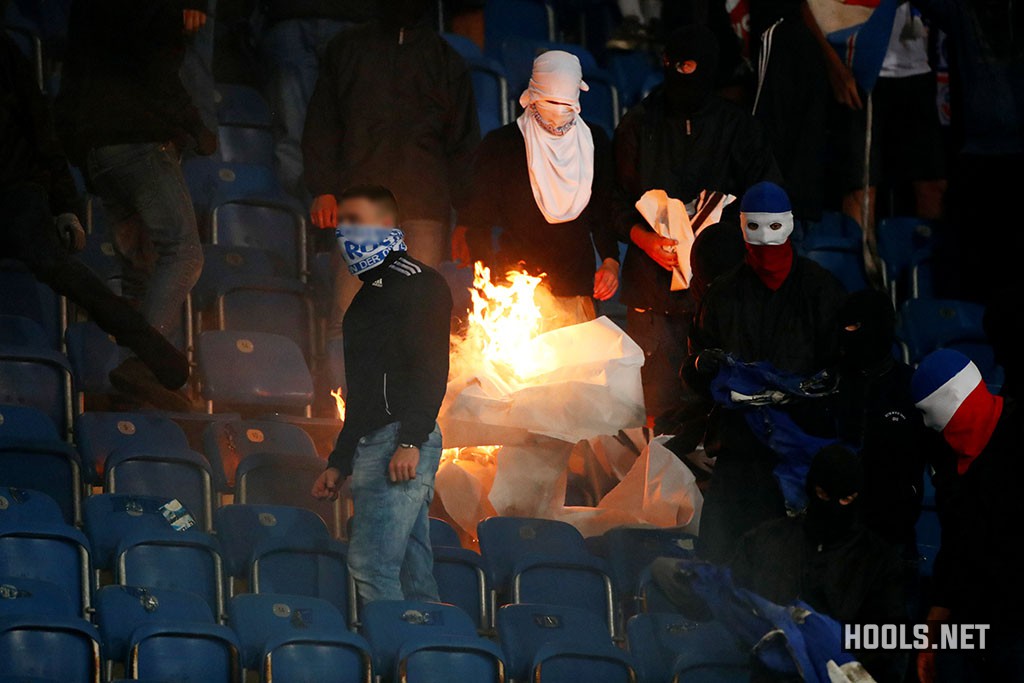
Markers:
(242, 528)
(187, 562)
(241, 105)
(273, 305)
(549, 644)
(833, 226)
(40, 379)
(50, 467)
(443, 534)
(221, 261)
(285, 479)
(274, 223)
(18, 506)
(903, 244)
(25, 296)
(167, 473)
(316, 655)
(420, 642)
(259, 618)
(229, 442)
(184, 652)
(25, 423)
(237, 144)
(545, 562)
(20, 596)
(17, 330)
(56, 553)
(209, 180)
(929, 324)
(630, 550)
(649, 596)
(93, 354)
(490, 85)
(669, 647)
(462, 581)
(111, 517)
(254, 370)
(50, 648)
(529, 19)
(843, 259)
(120, 610)
(315, 568)
(630, 71)
(99, 434)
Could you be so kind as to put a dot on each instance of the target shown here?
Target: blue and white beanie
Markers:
(766, 214)
(365, 247)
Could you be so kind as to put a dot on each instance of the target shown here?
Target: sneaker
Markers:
(135, 378)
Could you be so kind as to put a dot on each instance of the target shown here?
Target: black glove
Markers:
(70, 232)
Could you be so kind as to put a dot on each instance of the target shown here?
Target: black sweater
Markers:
(29, 151)
(396, 354)
(719, 147)
(121, 82)
(392, 106)
(501, 195)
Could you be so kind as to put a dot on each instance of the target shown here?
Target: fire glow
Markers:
(339, 403)
(504, 321)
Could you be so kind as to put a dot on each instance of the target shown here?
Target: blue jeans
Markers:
(389, 554)
(291, 52)
(153, 225)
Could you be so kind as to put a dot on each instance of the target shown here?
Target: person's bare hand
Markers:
(403, 464)
(460, 247)
(327, 485)
(844, 85)
(606, 280)
(324, 212)
(660, 249)
(194, 20)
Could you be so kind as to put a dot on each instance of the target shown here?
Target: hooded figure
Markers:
(559, 150)
(867, 331)
(690, 64)
(834, 484)
(717, 250)
(949, 389)
(766, 217)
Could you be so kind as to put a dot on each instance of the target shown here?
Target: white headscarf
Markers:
(561, 163)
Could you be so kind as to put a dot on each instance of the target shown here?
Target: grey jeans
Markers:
(153, 225)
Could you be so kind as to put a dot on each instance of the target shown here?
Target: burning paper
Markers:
(570, 383)
(339, 403)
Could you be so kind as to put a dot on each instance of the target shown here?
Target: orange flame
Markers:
(504, 320)
(339, 403)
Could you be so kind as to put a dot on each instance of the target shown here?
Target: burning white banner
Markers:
(570, 383)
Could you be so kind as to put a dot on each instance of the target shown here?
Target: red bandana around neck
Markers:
(972, 425)
(771, 262)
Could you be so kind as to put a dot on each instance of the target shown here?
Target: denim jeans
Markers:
(389, 554)
(153, 225)
(291, 52)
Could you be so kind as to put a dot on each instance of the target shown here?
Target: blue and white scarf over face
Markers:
(366, 246)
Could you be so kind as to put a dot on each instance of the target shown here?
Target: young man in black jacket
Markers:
(396, 350)
(38, 201)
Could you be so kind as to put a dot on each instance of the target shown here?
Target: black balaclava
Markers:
(839, 473)
(717, 249)
(686, 93)
(406, 12)
(867, 330)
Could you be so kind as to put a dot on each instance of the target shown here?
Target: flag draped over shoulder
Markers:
(859, 31)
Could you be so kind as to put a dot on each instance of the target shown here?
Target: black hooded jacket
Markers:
(717, 147)
(392, 106)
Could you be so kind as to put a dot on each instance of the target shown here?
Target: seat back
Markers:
(93, 354)
(504, 541)
(528, 19)
(630, 550)
(59, 649)
(178, 474)
(16, 330)
(120, 610)
(99, 434)
(926, 325)
(462, 581)
(54, 553)
(275, 225)
(317, 569)
(50, 467)
(209, 180)
(184, 562)
(229, 442)
(388, 625)
(20, 506)
(285, 479)
(238, 144)
(39, 379)
(845, 262)
(25, 296)
(271, 305)
(257, 619)
(21, 596)
(185, 652)
(25, 423)
(443, 534)
(665, 645)
(112, 517)
(222, 261)
(242, 528)
(241, 105)
(255, 370)
(336, 656)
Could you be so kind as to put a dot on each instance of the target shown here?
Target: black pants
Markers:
(27, 234)
(663, 340)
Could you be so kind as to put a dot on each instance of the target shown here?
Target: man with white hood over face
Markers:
(546, 179)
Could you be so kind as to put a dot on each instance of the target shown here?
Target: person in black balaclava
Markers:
(828, 559)
(717, 250)
(875, 413)
(683, 139)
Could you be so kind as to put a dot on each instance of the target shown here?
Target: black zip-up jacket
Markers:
(392, 106)
(29, 151)
(977, 570)
(502, 195)
(396, 354)
(120, 83)
(718, 147)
